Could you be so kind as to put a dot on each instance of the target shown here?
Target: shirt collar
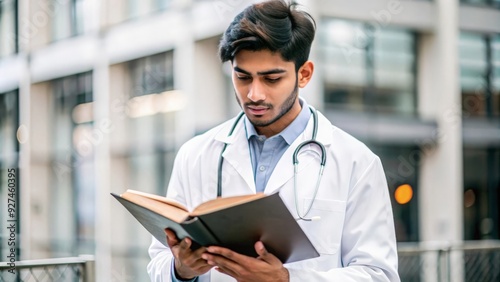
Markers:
(292, 131)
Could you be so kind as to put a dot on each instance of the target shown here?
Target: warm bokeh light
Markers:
(83, 113)
(151, 104)
(469, 198)
(22, 134)
(403, 194)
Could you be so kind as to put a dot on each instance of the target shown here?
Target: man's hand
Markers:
(266, 267)
(188, 263)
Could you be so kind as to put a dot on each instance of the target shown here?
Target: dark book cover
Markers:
(237, 228)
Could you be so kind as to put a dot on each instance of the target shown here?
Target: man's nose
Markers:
(256, 92)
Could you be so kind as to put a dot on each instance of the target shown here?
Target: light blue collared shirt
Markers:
(266, 152)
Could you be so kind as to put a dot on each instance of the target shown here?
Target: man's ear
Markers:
(305, 73)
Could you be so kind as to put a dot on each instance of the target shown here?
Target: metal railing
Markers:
(73, 269)
(464, 262)
(418, 262)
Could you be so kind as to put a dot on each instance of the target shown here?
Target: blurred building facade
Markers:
(97, 96)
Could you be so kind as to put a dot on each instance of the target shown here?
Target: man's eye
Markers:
(243, 77)
(273, 80)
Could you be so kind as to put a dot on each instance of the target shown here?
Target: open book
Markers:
(232, 222)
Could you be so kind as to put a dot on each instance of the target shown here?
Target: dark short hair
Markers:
(273, 25)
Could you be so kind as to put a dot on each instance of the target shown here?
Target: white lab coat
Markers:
(355, 235)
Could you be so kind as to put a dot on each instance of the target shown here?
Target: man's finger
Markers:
(226, 259)
(198, 252)
(224, 264)
(194, 258)
(171, 238)
(185, 243)
(264, 254)
(226, 271)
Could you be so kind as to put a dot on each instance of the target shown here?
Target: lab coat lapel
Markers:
(283, 171)
(237, 155)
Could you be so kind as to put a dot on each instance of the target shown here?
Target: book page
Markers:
(223, 203)
(161, 207)
(159, 198)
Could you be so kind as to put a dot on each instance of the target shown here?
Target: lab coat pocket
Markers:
(326, 232)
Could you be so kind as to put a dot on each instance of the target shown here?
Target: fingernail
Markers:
(259, 245)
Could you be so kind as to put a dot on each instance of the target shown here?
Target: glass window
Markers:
(69, 18)
(133, 8)
(494, 3)
(480, 75)
(153, 74)
(161, 4)
(138, 8)
(473, 65)
(495, 50)
(368, 68)
(481, 194)
(152, 129)
(482, 2)
(8, 123)
(74, 138)
(9, 149)
(8, 30)
(401, 166)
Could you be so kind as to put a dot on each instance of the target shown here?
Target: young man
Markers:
(268, 46)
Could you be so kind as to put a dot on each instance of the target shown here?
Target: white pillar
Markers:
(441, 177)
(24, 210)
(104, 126)
(25, 147)
(102, 123)
(184, 54)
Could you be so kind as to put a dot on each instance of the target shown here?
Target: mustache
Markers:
(258, 104)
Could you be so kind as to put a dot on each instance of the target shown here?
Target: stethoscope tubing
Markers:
(295, 162)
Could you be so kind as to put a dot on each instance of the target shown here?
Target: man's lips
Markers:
(257, 110)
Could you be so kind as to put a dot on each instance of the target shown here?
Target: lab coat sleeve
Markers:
(159, 269)
(368, 244)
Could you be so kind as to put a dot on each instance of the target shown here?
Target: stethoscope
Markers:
(295, 164)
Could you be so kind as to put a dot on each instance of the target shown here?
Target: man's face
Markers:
(266, 89)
